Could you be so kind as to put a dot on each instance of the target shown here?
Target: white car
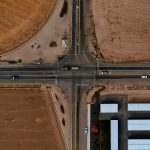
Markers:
(144, 77)
(105, 72)
(86, 130)
(15, 77)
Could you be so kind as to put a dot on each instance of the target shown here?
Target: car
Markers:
(77, 6)
(66, 67)
(144, 77)
(105, 72)
(15, 77)
(86, 130)
(75, 68)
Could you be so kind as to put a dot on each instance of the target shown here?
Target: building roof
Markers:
(138, 144)
(139, 107)
(64, 43)
(139, 125)
(114, 134)
(108, 108)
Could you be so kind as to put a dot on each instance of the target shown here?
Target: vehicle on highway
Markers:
(66, 67)
(86, 130)
(105, 72)
(77, 6)
(75, 68)
(15, 77)
(144, 77)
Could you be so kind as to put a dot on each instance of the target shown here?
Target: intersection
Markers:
(89, 72)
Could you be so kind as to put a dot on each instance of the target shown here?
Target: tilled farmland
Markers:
(20, 20)
(122, 30)
(27, 119)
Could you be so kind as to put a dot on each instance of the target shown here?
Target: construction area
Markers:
(121, 33)
(34, 28)
(29, 118)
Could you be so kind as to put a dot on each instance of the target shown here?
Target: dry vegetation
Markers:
(27, 119)
(21, 19)
(122, 30)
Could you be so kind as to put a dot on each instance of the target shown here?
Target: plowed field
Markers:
(28, 120)
(123, 30)
(21, 19)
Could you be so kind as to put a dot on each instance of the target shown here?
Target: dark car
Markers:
(66, 67)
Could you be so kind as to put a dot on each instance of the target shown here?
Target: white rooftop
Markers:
(138, 125)
(114, 134)
(64, 43)
(139, 107)
(138, 144)
(108, 108)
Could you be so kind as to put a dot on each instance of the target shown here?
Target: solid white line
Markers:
(88, 125)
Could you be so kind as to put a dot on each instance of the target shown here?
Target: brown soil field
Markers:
(27, 119)
(135, 91)
(21, 19)
(122, 30)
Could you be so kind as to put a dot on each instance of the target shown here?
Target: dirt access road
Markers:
(27, 119)
(122, 30)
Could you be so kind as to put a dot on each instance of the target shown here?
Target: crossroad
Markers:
(95, 73)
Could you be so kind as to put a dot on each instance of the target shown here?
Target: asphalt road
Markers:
(83, 73)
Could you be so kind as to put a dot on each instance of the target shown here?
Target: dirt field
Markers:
(27, 119)
(20, 20)
(46, 45)
(135, 91)
(122, 30)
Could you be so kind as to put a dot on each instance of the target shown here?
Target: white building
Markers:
(108, 108)
(138, 125)
(64, 42)
(114, 134)
(138, 144)
(139, 107)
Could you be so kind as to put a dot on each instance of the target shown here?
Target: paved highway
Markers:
(81, 73)
(60, 67)
(39, 78)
